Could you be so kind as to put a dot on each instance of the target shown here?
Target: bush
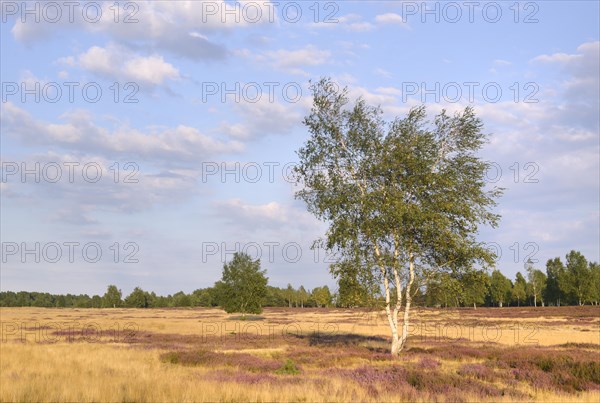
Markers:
(289, 368)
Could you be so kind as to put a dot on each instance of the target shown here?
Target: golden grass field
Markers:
(487, 354)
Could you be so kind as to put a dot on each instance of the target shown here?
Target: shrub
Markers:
(289, 368)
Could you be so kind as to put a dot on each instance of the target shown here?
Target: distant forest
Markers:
(574, 282)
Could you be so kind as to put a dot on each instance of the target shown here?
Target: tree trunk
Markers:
(407, 291)
(474, 305)
(396, 346)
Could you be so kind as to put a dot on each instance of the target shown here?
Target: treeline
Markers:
(574, 282)
(204, 297)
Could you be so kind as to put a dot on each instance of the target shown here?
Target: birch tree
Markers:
(578, 276)
(400, 197)
(537, 283)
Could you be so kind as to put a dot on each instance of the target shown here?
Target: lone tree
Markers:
(243, 287)
(399, 197)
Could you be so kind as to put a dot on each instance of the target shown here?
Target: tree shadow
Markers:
(247, 318)
(372, 343)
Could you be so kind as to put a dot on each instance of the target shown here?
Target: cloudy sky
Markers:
(144, 142)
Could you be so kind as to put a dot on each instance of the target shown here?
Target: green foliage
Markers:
(519, 291)
(399, 185)
(577, 279)
(181, 299)
(536, 286)
(443, 289)
(356, 285)
(474, 287)
(595, 287)
(112, 297)
(243, 287)
(500, 288)
(137, 299)
(321, 296)
(289, 368)
(556, 284)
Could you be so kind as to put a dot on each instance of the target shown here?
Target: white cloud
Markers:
(349, 22)
(262, 118)
(119, 63)
(81, 134)
(391, 19)
(72, 199)
(556, 57)
(272, 215)
(360, 26)
(292, 61)
(383, 73)
(184, 28)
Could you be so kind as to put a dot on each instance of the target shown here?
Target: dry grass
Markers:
(298, 355)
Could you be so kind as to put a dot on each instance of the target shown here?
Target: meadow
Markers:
(200, 354)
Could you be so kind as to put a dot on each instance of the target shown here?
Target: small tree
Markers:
(443, 289)
(137, 299)
(290, 294)
(243, 287)
(112, 297)
(321, 296)
(475, 285)
(537, 283)
(356, 286)
(302, 295)
(578, 276)
(556, 284)
(500, 288)
(519, 291)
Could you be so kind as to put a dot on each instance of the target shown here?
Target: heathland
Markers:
(201, 354)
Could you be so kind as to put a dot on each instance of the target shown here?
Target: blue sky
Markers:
(182, 156)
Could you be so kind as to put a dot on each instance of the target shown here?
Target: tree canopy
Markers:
(243, 286)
